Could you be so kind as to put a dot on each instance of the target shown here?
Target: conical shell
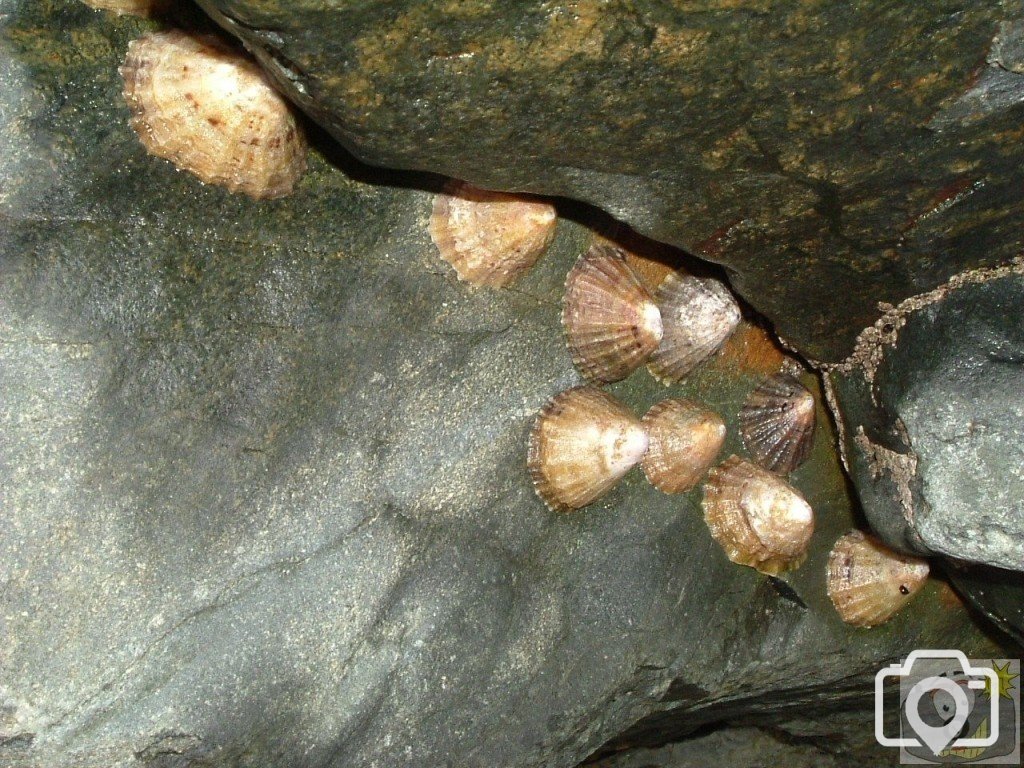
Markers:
(130, 7)
(212, 112)
(685, 439)
(868, 582)
(581, 445)
(698, 315)
(612, 324)
(777, 423)
(490, 238)
(758, 518)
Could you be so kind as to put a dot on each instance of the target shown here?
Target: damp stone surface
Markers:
(262, 485)
(863, 150)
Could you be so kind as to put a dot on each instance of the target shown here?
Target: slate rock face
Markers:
(262, 484)
(933, 416)
(832, 155)
(934, 420)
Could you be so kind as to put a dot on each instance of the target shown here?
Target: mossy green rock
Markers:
(832, 155)
(262, 482)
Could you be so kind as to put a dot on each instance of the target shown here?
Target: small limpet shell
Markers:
(212, 112)
(583, 442)
(777, 423)
(611, 322)
(685, 438)
(144, 8)
(698, 315)
(490, 238)
(758, 518)
(868, 582)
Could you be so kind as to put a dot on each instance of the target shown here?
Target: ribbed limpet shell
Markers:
(490, 238)
(758, 518)
(868, 582)
(212, 112)
(777, 423)
(611, 322)
(144, 8)
(583, 442)
(685, 439)
(698, 315)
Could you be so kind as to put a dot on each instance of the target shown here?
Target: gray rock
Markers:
(831, 156)
(933, 410)
(262, 485)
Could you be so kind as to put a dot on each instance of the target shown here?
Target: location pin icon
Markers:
(936, 738)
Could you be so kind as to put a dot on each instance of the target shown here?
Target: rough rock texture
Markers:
(933, 417)
(932, 406)
(863, 150)
(262, 488)
(841, 740)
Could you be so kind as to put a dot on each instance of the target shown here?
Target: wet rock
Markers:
(831, 156)
(933, 416)
(262, 480)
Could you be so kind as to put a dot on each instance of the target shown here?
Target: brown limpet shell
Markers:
(144, 8)
(868, 582)
(698, 315)
(612, 324)
(685, 439)
(490, 238)
(758, 518)
(212, 112)
(581, 445)
(777, 423)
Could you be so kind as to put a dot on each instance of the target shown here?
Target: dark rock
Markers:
(833, 156)
(262, 481)
(933, 415)
(996, 593)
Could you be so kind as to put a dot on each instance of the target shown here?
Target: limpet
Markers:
(490, 238)
(685, 438)
(777, 423)
(868, 582)
(582, 443)
(611, 322)
(212, 112)
(758, 518)
(698, 315)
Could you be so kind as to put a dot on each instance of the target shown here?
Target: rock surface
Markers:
(862, 151)
(262, 484)
(933, 413)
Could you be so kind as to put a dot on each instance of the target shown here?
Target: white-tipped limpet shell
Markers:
(685, 439)
(212, 112)
(490, 238)
(611, 322)
(144, 8)
(758, 518)
(581, 445)
(777, 423)
(698, 315)
(868, 582)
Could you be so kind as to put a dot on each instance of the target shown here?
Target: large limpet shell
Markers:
(685, 438)
(144, 8)
(868, 582)
(611, 322)
(698, 315)
(490, 238)
(583, 442)
(777, 423)
(212, 112)
(758, 518)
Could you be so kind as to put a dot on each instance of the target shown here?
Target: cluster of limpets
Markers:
(212, 112)
(584, 440)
